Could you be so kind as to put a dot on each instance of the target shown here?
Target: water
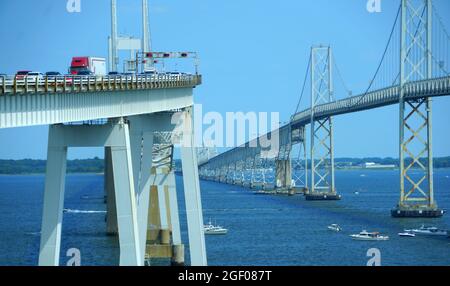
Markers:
(263, 230)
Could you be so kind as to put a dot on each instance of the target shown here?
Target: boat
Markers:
(427, 230)
(214, 229)
(334, 227)
(365, 235)
(406, 234)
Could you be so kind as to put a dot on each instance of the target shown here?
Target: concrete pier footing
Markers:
(322, 197)
(414, 212)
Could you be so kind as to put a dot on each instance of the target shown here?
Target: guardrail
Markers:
(378, 98)
(72, 84)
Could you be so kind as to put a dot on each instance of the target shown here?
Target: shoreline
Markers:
(176, 171)
(43, 174)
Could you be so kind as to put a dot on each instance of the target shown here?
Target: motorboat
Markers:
(365, 235)
(406, 234)
(334, 227)
(214, 229)
(427, 230)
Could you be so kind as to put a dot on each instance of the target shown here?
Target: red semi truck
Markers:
(91, 65)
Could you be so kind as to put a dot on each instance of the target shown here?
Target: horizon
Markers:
(266, 69)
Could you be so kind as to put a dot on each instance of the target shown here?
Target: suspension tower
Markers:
(322, 151)
(416, 157)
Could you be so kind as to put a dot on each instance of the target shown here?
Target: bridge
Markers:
(133, 118)
(412, 71)
(137, 118)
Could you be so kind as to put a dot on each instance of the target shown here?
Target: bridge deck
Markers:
(378, 98)
(75, 99)
(374, 99)
(74, 84)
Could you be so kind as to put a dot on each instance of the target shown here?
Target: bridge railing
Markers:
(71, 84)
(377, 98)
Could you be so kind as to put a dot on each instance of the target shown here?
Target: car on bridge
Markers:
(85, 74)
(34, 76)
(21, 74)
(53, 74)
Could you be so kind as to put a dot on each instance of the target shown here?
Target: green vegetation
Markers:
(441, 162)
(27, 166)
(96, 165)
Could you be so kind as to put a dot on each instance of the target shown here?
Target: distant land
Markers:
(96, 165)
(28, 166)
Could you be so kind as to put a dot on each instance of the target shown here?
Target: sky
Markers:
(253, 54)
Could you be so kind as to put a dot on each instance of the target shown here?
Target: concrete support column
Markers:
(174, 216)
(111, 214)
(116, 136)
(141, 140)
(283, 177)
(53, 201)
(127, 220)
(192, 193)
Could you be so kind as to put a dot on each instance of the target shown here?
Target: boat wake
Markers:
(83, 211)
(33, 233)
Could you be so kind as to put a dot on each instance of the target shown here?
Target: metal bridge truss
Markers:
(413, 93)
(300, 162)
(322, 153)
(248, 165)
(416, 190)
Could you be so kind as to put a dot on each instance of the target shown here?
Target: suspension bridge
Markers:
(413, 69)
(132, 118)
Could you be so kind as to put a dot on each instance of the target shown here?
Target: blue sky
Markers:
(253, 57)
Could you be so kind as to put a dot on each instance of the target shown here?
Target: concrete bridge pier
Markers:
(115, 135)
(111, 214)
(283, 176)
(192, 191)
(154, 136)
(137, 174)
(164, 235)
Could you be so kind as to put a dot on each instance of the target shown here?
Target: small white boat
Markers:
(371, 236)
(427, 230)
(334, 227)
(214, 229)
(406, 234)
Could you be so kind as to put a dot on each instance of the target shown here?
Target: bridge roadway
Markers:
(378, 98)
(62, 99)
(387, 96)
(140, 110)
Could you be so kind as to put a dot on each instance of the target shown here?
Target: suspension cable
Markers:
(383, 57)
(340, 77)
(304, 85)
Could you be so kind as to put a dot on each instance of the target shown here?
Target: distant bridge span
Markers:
(379, 98)
(423, 73)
